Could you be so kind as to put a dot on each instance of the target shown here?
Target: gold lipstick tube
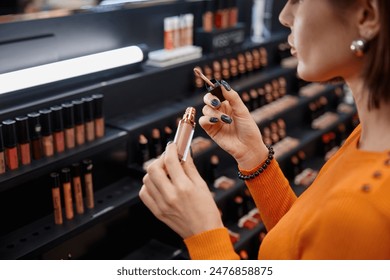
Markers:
(185, 132)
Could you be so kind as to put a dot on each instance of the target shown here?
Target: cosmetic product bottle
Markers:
(10, 143)
(168, 34)
(189, 20)
(208, 16)
(98, 115)
(233, 13)
(56, 197)
(58, 129)
(176, 31)
(24, 146)
(67, 189)
(2, 154)
(218, 16)
(35, 134)
(185, 132)
(88, 183)
(167, 135)
(143, 150)
(89, 119)
(156, 143)
(79, 121)
(77, 188)
(47, 132)
(69, 126)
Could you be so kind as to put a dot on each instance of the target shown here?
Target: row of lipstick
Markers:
(234, 67)
(72, 182)
(219, 14)
(258, 97)
(51, 131)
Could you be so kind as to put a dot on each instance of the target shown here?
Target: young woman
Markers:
(345, 213)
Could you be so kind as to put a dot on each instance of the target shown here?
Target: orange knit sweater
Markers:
(344, 214)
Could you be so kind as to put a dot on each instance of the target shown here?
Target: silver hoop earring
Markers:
(358, 47)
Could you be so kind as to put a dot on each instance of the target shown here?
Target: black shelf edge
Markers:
(39, 167)
(43, 234)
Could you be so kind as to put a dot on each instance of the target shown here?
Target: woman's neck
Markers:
(375, 123)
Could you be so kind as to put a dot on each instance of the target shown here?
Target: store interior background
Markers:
(137, 99)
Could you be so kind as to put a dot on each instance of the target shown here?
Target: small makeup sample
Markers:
(56, 197)
(143, 149)
(35, 134)
(184, 133)
(79, 121)
(156, 147)
(88, 183)
(58, 129)
(69, 125)
(10, 143)
(67, 191)
(208, 16)
(2, 155)
(324, 121)
(212, 86)
(77, 188)
(212, 171)
(23, 134)
(47, 132)
(98, 115)
(89, 119)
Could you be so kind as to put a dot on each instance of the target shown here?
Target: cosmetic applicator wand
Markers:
(213, 86)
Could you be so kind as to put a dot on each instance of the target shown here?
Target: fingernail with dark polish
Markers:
(226, 85)
(215, 103)
(226, 119)
(214, 120)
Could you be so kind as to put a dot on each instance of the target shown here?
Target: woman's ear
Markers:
(368, 19)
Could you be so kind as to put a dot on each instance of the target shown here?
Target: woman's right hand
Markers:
(232, 127)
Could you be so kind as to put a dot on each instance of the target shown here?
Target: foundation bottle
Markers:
(58, 129)
(69, 129)
(67, 189)
(98, 115)
(89, 119)
(24, 146)
(47, 132)
(56, 197)
(10, 143)
(35, 135)
(2, 155)
(88, 183)
(79, 121)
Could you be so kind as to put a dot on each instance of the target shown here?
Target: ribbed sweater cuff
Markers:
(214, 244)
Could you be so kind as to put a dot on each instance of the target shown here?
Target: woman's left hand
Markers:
(178, 196)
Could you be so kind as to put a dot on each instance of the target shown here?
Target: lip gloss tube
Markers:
(58, 129)
(185, 132)
(79, 121)
(56, 196)
(11, 150)
(2, 156)
(89, 119)
(69, 130)
(67, 189)
(47, 133)
(88, 183)
(98, 115)
(35, 134)
(78, 193)
(24, 146)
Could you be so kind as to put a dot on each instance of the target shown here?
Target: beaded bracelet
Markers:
(262, 167)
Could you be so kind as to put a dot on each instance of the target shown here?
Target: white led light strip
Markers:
(75, 67)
